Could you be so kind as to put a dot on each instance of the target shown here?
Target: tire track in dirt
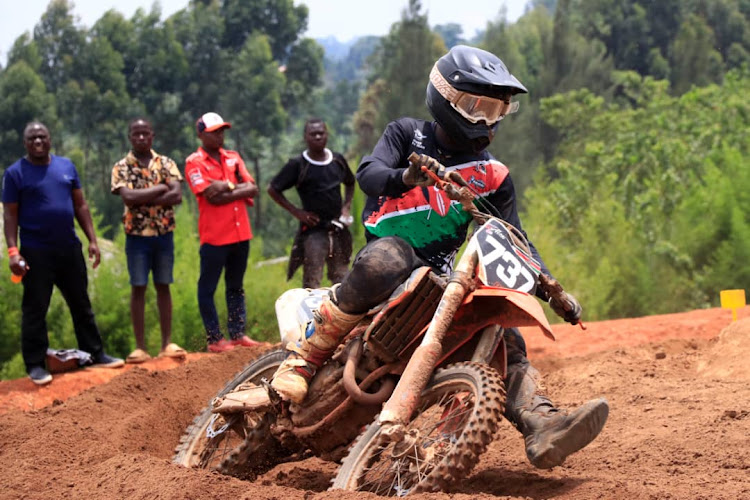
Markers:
(679, 424)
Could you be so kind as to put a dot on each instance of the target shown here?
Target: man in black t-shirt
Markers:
(323, 236)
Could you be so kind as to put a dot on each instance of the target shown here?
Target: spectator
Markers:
(224, 188)
(323, 236)
(149, 185)
(41, 196)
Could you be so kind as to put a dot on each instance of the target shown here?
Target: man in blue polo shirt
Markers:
(41, 196)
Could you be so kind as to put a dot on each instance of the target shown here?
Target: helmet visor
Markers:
(475, 108)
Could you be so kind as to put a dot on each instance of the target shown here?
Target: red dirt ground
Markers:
(679, 426)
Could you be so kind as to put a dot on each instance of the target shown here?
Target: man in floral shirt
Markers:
(149, 185)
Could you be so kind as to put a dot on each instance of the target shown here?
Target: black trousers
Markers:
(232, 259)
(65, 268)
(380, 267)
(325, 247)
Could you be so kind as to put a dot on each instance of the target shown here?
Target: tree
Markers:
(96, 99)
(280, 20)
(199, 30)
(25, 99)
(731, 28)
(660, 189)
(548, 55)
(365, 121)
(694, 60)
(451, 33)
(303, 70)
(155, 69)
(255, 99)
(403, 62)
(24, 49)
(59, 42)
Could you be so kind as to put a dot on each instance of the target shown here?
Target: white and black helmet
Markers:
(469, 92)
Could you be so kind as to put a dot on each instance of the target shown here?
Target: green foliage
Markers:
(255, 98)
(643, 210)
(695, 62)
(303, 70)
(280, 20)
(25, 99)
(24, 49)
(402, 63)
(10, 314)
(14, 368)
(365, 121)
(199, 30)
(59, 42)
(549, 56)
(451, 33)
(109, 291)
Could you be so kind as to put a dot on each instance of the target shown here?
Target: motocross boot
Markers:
(329, 326)
(550, 434)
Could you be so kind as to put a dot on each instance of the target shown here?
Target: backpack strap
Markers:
(304, 167)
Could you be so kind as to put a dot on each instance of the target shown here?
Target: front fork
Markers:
(399, 408)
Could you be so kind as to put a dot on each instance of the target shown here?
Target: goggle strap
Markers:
(452, 95)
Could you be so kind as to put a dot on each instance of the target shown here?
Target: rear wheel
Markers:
(455, 420)
(213, 440)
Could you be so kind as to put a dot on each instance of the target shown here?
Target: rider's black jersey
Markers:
(424, 216)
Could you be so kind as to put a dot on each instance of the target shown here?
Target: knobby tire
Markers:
(455, 421)
(227, 451)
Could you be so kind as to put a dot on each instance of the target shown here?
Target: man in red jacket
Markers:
(224, 189)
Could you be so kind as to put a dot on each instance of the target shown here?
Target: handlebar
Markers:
(465, 195)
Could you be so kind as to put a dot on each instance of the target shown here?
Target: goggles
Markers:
(474, 108)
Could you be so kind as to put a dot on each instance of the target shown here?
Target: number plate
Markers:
(502, 263)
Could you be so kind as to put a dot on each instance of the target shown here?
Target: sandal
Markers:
(137, 356)
(173, 351)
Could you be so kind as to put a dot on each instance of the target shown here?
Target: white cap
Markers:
(210, 122)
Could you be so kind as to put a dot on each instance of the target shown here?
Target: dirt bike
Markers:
(422, 374)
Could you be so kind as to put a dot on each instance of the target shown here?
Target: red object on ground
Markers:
(223, 345)
(245, 341)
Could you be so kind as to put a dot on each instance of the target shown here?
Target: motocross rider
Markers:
(409, 224)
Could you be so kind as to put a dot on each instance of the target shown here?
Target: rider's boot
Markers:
(551, 434)
(329, 326)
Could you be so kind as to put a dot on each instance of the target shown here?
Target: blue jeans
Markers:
(153, 254)
(232, 259)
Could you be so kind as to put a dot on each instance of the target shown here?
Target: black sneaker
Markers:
(104, 360)
(40, 376)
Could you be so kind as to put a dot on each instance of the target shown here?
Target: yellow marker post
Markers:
(732, 299)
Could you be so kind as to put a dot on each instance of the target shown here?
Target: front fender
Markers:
(501, 306)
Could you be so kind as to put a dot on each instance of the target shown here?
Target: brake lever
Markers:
(432, 175)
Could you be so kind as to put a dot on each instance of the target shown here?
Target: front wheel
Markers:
(215, 441)
(456, 419)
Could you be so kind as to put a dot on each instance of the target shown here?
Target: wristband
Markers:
(13, 251)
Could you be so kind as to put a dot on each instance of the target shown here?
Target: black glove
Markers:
(413, 176)
(568, 308)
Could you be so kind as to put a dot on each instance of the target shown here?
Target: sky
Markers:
(343, 19)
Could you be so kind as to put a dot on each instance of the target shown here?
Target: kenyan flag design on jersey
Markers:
(425, 216)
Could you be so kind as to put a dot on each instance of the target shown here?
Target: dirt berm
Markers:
(679, 427)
